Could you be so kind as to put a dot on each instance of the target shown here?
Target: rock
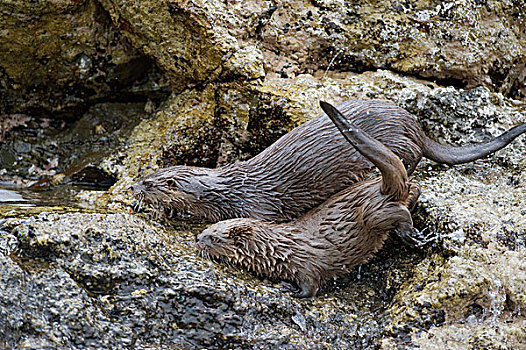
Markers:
(474, 297)
(59, 58)
(461, 43)
(242, 74)
(117, 281)
(245, 63)
(46, 157)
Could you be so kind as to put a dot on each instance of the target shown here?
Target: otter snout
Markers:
(138, 188)
(203, 240)
(204, 244)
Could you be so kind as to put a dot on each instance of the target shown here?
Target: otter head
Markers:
(261, 248)
(182, 188)
(230, 241)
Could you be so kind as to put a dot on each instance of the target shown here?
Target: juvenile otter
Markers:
(343, 232)
(303, 168)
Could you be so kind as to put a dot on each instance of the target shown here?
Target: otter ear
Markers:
(241, 231)
(240, 234)
(170, 182)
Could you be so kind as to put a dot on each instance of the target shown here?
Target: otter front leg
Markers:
(306, 290)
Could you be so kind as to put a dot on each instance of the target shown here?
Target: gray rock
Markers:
(115, 281)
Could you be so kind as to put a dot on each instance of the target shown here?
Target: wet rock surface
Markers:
(48, 154)
(93, 280)
(104, 93)
(61, 57)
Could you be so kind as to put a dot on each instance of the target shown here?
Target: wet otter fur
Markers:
(303, 168)
(329, 240)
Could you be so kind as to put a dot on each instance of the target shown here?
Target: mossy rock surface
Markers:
(117, 89)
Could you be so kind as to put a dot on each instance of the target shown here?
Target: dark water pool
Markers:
(14, 198)
(25, 198)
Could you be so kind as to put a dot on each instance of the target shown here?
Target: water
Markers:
(14, 198)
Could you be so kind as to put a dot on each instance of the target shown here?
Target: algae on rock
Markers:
(60, 57)
(242, 74)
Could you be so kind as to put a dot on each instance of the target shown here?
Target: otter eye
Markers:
(239, 243)
(214, 239)
(170, 182)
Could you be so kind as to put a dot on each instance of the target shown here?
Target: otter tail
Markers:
(394, 175)
(456, 155)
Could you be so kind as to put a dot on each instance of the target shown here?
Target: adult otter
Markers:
(303, 168)
(341, 233)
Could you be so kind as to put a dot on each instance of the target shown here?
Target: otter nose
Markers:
(136, 187)
(203, 240)
(199, 244)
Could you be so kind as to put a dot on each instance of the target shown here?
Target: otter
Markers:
(303, 168)
(341, 233)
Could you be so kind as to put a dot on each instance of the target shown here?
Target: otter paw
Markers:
(289, 287)
(306, 290)
(414, 238)
(302, 294)
(302, 291)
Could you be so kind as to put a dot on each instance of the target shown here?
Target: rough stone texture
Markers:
(115, 281)
(58, 58)
(475, 297)
(40, 153)
(242, 74)
(186, 39)
(465, 42)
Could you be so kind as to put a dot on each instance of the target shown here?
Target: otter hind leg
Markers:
(394, 175)
(412, 236)
(412, 198)
(405, 230)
